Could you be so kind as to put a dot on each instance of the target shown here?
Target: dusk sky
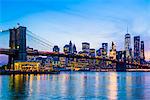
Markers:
(93, 21)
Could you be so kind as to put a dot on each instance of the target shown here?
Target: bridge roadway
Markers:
(43, 53)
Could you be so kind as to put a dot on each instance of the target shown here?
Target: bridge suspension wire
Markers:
(40, 38)
(37, 40)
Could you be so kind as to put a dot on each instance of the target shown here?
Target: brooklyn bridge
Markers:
(19, 40)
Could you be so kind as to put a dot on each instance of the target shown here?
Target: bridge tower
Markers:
(18, 42)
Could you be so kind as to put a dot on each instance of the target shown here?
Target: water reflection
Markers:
(76, 85)
(112, 86)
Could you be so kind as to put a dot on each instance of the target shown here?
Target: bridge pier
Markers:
(17, 42)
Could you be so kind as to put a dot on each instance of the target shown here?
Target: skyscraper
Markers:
(112, 53)
(86, 47)
(137, 48)
(74, 49)
(142, 55)
(105, 47)
(70, 47)
(128, 45)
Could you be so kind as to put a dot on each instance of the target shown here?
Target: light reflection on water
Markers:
(76, 85)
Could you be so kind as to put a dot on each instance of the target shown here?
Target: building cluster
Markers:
(135, 55)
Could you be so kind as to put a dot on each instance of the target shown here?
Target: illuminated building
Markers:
(82, 62)
(137, 49)
(62, 62)
(112, 53)
(142, 55)
(92, 61)
(105, 47)
(27, 66)
(128, 46)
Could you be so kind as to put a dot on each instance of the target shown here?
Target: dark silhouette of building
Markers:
(56, 48)
(142, 55)
(137, 48)
(74, 49)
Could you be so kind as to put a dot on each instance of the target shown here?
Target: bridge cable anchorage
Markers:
(40, 38)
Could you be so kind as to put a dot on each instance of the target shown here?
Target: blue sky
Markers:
(94, 21)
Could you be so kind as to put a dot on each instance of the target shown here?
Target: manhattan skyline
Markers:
(93, 21)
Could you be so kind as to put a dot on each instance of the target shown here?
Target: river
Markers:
(76, 86)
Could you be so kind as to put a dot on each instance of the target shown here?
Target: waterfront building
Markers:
(112, 53)
(105, 51)
(26, 66)
(56, 49)
(31, 57)
(121, 57)
(45, 61)
(63, 62)
(82, 62)
(137, 49)
(92, 61)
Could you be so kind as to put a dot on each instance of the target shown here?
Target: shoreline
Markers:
(58, 72)
(19, 72)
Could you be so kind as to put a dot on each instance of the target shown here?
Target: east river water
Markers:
(76, 86)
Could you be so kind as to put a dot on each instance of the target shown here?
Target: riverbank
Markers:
(3, 72)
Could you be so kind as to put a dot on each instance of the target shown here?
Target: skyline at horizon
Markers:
(90, 21)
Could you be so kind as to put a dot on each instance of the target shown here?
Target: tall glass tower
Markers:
(127, 45)
(137, 48)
